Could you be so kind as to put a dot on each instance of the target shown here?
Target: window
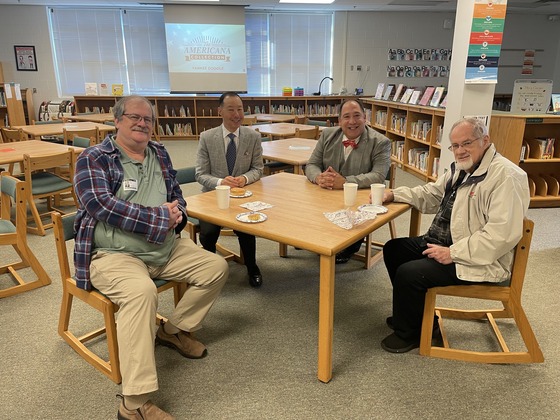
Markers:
(107, 45)
(285, 49)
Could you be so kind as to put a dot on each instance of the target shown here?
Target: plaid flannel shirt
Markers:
(99, 174)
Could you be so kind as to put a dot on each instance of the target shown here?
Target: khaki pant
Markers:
(127, 281)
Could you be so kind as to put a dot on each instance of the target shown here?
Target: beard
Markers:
(465, 165)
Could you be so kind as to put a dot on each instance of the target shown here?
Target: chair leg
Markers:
(36, 217)
(427, 323)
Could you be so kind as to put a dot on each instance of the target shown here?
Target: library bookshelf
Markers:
(185, 117)
(415, 134)
(515, 138)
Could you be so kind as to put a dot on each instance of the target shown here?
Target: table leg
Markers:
(415, 220)
(326, 316)
(298, 169)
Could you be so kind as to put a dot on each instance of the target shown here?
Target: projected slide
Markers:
(205, 48)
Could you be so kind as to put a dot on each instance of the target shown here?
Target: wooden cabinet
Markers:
(513, 133)
(11, 105)
(185, 117)
(415, 133)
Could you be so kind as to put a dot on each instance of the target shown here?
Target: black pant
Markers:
(209, 234)
(412, 274)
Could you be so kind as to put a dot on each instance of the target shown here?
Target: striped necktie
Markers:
(231, 152)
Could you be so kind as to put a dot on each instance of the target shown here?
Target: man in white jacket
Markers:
(479, 204)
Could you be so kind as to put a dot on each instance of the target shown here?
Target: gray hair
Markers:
(479, 129)
(120, 106)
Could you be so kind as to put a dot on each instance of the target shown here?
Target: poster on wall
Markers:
(25, 58)
(485, 41)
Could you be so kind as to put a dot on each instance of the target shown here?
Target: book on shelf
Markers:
(398, 92)
(443, 103)
(437, 96)
(117, 89)
(414, 97)
(91, 88)
(388, 91)
(524, 151)
(104, 89)
(406, 95)
(435, 167)
(555, 103)
(545, 147)
(379, 91)
(427, 95)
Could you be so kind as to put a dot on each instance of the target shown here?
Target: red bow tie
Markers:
(350, 143)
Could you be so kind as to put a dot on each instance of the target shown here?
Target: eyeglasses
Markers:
(135, 118)
(465, 145)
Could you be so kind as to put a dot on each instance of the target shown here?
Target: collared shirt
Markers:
(99, 175)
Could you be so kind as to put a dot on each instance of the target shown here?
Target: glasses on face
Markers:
(135, 118)
(465, 145)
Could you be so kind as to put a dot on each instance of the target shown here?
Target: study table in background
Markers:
(294, 151)
(282, 130)
(273, 118)
(297, 219)
(13, 152)
(97, 118)
(38, 130)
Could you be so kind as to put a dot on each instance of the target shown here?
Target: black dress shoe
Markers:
(255, 279)
(342, 258)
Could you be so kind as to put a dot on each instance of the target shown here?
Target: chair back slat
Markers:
(521, 258)
(186, 175)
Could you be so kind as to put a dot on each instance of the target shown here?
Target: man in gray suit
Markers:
(230, 155)
(351, 152)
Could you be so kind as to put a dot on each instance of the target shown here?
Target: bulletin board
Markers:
(531, 96)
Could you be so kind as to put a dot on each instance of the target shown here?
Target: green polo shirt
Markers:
(143, 184)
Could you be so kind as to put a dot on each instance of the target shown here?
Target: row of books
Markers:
(418, 157)
(544, 185)
(420, 129)
(2, 99)
(93, 88)
(428, 96)
(183, 112)
(178, 130)
(398, 123)
(397, 149)
(98, 110)
(381, 118)
(538, 148)
(317, 109)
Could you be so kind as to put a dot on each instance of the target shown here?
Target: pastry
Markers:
(254, 217)
(237, 191)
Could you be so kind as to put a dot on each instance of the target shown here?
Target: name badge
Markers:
(130, 185)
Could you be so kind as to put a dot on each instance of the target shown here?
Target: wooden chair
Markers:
(305, 120)
(64, 231)
(11, 135)
(249, 120)
(509, 296)
(369, 257)
(51, 139)
(15, 235)
(92, 134)
(271, 167)
(42, 181)
(312, 133)
(187, 176)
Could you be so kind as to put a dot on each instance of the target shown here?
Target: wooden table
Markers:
(97, 118)
(282, 130)
(13, 152)
(297, 219)
(36, 131)
(293, 151)
(273, 117)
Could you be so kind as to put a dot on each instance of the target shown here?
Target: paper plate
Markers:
(244, 217)
(247, 194)
(373, 209)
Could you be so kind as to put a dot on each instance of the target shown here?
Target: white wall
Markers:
(28, 25)
(360, 38)
(369, 35)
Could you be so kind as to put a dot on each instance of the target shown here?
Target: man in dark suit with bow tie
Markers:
(230, 155)
(351, 152)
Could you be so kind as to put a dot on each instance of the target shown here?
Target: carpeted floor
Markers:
(263, 347)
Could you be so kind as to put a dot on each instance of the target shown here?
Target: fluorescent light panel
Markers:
(308, 1)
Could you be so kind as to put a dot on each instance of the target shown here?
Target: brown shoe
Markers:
(149, 411)
(183, 342)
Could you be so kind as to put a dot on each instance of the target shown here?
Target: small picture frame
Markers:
(25, 58)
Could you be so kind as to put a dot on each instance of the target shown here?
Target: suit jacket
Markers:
(367, 164)
(211, 163)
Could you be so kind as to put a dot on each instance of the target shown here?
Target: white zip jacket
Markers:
(486, 219)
